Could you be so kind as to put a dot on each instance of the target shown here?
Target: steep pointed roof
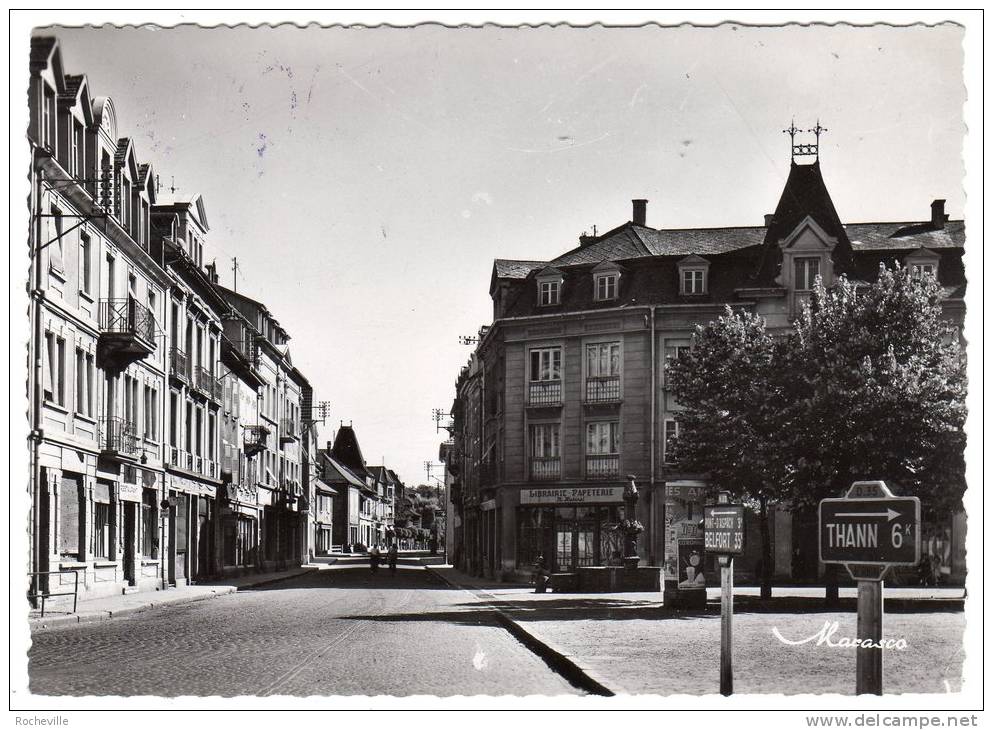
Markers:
(804, 195)
(346, 450)
(335, 472)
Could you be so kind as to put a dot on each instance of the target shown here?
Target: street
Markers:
(339, 631)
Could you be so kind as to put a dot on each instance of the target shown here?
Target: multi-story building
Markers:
(566, 392)
(97, 351)
(194, 323)
(243, 437)
(364, 503)
(385, 484)
(281, 496)
(171, 435)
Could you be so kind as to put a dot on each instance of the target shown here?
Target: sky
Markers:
(365, 179)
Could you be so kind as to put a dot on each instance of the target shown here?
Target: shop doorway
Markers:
(575, 538)
(130, 525)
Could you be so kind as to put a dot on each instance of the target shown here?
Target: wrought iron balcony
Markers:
(119, 437)
(602, 466)
(603, 389)
(206, 383)
(287, 430)
(179, 364)
(127, 332)
(546, 468)
(255, 439)
(545, 393)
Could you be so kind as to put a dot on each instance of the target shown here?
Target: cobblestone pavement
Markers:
(332, 632)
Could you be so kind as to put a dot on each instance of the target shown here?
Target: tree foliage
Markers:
(866, 385)
(731, 422)
(879, 392)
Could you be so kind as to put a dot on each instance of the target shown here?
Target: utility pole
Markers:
(234, 268)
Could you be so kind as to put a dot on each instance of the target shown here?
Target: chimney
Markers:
(639, 208)
(768, 219)
(938, 215)
(585, 240)
(212, 272)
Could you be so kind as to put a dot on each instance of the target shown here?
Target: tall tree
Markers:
(730, 387)
(867, 385)
(877, 391)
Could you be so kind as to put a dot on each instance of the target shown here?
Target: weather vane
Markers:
(805, 149)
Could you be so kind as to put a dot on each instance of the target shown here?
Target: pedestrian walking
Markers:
(391, 558)
(374, 556)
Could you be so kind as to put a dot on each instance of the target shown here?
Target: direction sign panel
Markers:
(870, 526)
(724, 529)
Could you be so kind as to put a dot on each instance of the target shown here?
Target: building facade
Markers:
(193, 322)
(170, 434)
(566, 393)
(97, 353)
(243, 437)
(283, 503)
(363, 505)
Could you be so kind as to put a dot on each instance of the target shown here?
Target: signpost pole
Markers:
(870, 530)
(727, 614)
(868, 659)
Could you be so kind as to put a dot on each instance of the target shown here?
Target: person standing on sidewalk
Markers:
(374, 558)
(391, 558)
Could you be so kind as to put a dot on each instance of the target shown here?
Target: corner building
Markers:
(566, 392)
(97, 351)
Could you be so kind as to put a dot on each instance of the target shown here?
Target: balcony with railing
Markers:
(545, 393)
(206, 383)
(602, 466)
(118, 437)
(603, 389)
(487, 473)
(179, 365)
(287, 430)
(546, 468)
(255, 440)
(127, 331)
(189, 462)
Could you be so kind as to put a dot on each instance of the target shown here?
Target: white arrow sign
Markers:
(889, 514)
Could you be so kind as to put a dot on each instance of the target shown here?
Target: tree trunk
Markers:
(766, 565)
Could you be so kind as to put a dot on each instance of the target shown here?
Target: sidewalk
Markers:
(630, 643)
(102, 609)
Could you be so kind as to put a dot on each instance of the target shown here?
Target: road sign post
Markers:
(724, 534)
(870, 530)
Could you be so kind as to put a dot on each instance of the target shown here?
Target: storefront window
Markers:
(569, 537)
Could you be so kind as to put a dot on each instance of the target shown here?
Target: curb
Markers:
(556, 660)
(40, 624)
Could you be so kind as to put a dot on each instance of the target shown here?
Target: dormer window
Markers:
(693, 281)
(549, 292)
(807, 269)
(921, 263)
(806, 256)
(606, 287)
(606, 281)
(549, 287)
(693, 272)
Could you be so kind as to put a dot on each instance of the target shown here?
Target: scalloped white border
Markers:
(687, 709)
